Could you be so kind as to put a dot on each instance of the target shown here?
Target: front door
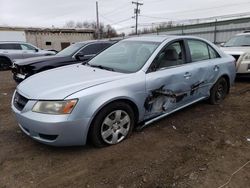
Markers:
(169, 83)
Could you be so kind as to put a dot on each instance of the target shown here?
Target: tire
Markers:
(113, 124)
(219, 91)
(5, 63)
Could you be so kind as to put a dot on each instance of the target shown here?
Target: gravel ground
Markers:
(200, 146)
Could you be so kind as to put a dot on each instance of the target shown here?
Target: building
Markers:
(46, 38)
(214, 31)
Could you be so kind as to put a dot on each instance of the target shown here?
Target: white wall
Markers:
(12, 36)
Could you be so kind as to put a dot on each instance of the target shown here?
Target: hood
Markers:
(39, 59)
(57, 84)
(235, 50)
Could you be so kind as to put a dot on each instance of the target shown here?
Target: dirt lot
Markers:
(200, 146)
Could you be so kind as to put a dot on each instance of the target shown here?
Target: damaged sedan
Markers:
(133, 83)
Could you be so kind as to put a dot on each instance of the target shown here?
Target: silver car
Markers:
(133, 83)
(10, 51)
(239, 47)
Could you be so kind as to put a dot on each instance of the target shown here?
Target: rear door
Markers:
(12, 50)
(205, 70)
(169, 80)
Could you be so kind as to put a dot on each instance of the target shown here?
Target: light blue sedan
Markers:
(133, 83)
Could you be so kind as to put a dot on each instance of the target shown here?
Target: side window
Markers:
(27, 47)
(199, 50)
(10, 46)
(172, 55)
(106, 45)
(92, 49)
(213, 54)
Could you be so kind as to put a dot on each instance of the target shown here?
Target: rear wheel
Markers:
(112, 124)
(218, 91)
(5, 63)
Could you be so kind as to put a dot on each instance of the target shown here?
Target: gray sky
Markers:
(45, 13)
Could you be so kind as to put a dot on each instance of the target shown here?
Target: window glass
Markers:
(10, 46)
(213, 53)
(125, 56)
(92, 49)
(172, 55)
(70, 50)
(237, 41)
(27, 47)
(198, 50)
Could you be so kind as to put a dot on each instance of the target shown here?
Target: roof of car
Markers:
(159, 38)
(13, 42)
(96, 41)
(246, 33)
(150, 38)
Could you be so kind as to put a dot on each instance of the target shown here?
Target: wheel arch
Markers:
(6, 57)
(227, 78)
(125, 100)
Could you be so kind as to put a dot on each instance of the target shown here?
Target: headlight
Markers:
(246, 57)
(55, 107)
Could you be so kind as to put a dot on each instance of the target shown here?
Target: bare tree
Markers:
(106, 31)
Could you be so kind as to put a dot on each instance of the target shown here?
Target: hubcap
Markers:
(115, 127)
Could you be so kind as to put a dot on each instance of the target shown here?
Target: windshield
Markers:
(237, 41)
(125, 56)
(70, 50)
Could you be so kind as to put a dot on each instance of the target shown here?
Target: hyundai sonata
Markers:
(134, 82)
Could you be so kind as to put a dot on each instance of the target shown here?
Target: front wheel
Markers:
(5, 63)
(218, 91)
(112, 124)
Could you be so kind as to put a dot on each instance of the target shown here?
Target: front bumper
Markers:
(19, 77)
(243, 68)
(55, 130)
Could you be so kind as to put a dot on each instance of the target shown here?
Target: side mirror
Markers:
(79, 56)
(222, 44)
(36, 50)
(82, 57)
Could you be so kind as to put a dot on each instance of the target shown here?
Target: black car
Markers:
(75, 53)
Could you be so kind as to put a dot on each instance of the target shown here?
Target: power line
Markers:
(202, 9)
(154, 17)
(121, 21)
(116, 9)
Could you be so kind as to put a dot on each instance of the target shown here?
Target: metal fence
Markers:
(216, 32)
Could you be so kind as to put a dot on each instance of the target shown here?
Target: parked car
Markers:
(239, 48)
(10, 51)
(75, 53)
(134, 82)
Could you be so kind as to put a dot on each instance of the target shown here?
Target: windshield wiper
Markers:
(85, 63)
(102, 67)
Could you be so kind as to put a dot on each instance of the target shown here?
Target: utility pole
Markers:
(137, 12)
(97, 21)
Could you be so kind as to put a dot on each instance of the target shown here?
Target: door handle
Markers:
(187, 75)
(216, 68)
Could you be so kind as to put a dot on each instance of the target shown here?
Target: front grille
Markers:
(15, 68)
(20, 101)
(236, 57)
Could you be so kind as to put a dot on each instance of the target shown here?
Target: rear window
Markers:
(10, 46)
